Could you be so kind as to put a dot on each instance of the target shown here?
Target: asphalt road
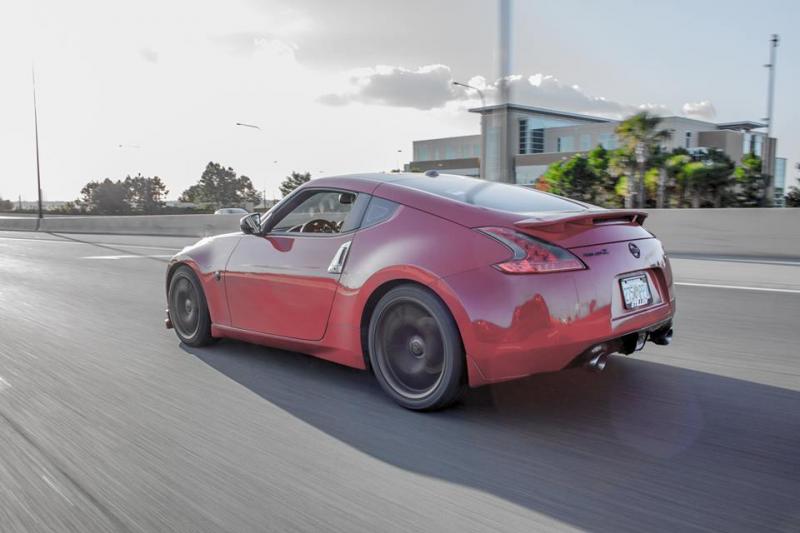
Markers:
(108, 424)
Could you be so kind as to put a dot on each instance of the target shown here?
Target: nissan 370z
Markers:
(435, 282)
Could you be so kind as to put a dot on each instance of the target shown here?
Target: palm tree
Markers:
(640, 139)
(675, 165)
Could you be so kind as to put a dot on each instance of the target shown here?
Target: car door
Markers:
(283, 282)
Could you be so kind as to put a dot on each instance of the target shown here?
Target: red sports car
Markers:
(436, 282)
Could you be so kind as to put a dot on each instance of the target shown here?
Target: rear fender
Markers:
(352, 308)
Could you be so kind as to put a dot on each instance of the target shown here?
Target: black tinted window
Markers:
(500, 196)
(378, 211)
(318, 212)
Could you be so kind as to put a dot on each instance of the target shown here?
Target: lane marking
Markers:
(125, 256)
(779, 262)
(146, 247)
(737, 287)
(55, 488)
(4, 384)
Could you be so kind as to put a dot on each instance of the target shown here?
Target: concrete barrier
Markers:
(726, 232)
(17, 223)
(166, 225)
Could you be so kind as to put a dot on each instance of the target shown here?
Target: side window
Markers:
(378, 211)
(318, 212)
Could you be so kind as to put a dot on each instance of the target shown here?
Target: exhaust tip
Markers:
(662, 338)
(598, 362)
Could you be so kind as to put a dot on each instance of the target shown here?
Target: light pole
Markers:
(257, 127)
(480, 93)
(770, 191)
(504, 48)
(36, 137)
(399, 157)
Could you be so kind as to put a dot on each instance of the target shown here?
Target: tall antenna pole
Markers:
(500, 119)
(504, 48)
(36, 135)
(770, 192)
(771, 91)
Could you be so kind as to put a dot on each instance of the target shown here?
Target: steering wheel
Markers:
(318, 225)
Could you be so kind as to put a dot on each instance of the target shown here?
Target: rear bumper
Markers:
(516, 326)
(660, 334)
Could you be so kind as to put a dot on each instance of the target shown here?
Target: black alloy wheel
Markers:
(416, 350)
(188, 309)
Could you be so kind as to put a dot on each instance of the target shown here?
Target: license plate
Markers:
(636, 292)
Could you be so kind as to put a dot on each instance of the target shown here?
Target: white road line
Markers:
(55, 488)
(114, 257)
(738, 287)
(146, 247)
(749, 261)
(764, 262)
(4, 384)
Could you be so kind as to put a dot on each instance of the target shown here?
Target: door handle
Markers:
(337, 263)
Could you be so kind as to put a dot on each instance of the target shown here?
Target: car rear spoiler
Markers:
(557, 222)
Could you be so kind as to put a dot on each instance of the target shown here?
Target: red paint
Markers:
(281, 285)
(277, 291)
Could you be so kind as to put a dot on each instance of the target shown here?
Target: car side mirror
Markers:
(251, 224)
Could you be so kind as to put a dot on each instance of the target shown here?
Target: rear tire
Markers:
(188, 309)
(415, 349)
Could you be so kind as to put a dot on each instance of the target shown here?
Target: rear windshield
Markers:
(489, 194)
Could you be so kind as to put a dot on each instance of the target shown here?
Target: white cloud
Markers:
(541, 90)
(701, 110)
(430, 87)
(149, 55)
(426, 87)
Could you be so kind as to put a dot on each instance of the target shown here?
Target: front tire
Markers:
(415, 349)
(188, 309)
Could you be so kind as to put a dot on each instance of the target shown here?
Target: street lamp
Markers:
(36, 137)
(256, 127)
(480, 93)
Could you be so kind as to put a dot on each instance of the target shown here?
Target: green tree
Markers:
(677, 187)
(146, 195)
(793, 197)
(6, 205)
(105, 198)
(583, 177)
(640, 133)
(293, 181)
(221, 187)
(710, 179)
(69, 208)
(752, 183)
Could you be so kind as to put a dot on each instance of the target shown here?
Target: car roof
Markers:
(392, 187)
(369, 181)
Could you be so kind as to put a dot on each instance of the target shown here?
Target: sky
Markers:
(155, 87)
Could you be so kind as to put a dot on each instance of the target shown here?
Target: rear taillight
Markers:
(532, 256)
